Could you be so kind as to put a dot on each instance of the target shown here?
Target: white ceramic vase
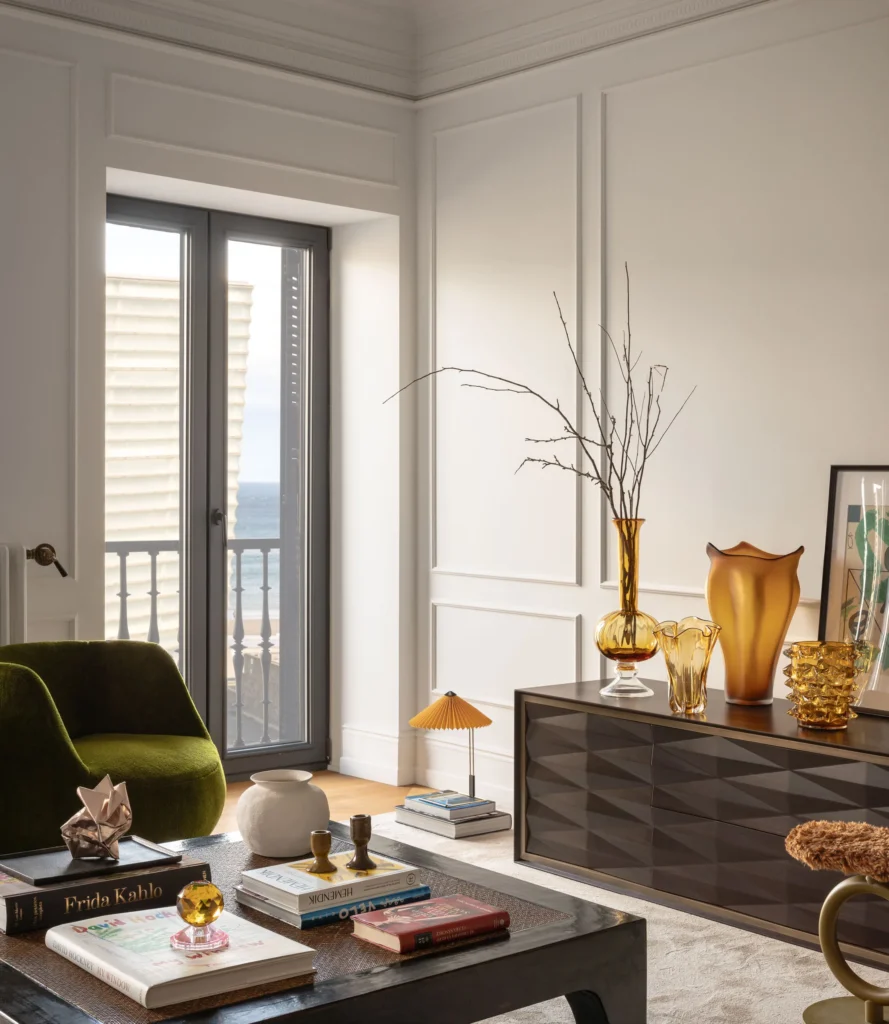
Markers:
(279, 811)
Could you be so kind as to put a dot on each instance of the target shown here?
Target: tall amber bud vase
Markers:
(752, 594)
(627, 636)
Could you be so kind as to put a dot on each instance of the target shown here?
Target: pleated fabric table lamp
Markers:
(452, 712)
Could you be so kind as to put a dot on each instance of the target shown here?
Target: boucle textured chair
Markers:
(73, 712)
(861, 852)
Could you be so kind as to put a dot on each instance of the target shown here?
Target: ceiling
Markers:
(409, 48)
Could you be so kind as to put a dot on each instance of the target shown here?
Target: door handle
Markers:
(45, 554)
(219, 518)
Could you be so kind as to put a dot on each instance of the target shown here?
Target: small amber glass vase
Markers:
(823, 683)
(688, 646)
(627, 636)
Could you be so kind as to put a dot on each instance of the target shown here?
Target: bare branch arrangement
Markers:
(614, 456)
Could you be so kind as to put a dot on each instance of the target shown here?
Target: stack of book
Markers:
(71, 891)
(451, 814)
(291, 893)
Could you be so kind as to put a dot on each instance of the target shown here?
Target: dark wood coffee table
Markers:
(559, 946)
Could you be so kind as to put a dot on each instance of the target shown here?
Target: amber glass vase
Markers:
(823, 685)
(627, 636)
(688, 646)
(752, 594)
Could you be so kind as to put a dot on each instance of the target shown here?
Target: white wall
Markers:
(373, 698)
(75, 101)
(741, 167)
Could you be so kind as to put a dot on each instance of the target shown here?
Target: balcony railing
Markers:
(250, 721)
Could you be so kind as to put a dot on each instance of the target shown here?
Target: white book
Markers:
(293, 886)
(494, 821)
(132, 953)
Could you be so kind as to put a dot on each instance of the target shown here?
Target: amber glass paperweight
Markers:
(752, 594)
(627, 636)
(199, 905)
(688, 646)
(823, 683)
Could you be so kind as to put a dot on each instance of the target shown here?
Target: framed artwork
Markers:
(856, 575)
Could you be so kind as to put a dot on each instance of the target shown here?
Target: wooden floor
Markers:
(346, 794)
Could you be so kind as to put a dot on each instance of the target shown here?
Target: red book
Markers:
(415, 926)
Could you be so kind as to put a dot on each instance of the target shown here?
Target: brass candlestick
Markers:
(360, 828)
(320, 842)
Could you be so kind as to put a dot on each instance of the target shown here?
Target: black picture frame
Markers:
(876, 703)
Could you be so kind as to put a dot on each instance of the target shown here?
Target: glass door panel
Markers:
(266, 678)
(144, 290)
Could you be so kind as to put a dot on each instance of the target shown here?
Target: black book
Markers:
(25, 907)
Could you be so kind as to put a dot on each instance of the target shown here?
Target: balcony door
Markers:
(217, 467)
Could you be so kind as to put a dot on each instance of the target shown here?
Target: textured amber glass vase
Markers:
(752, 594)
(688, 646)
(823, 684)
(627, 636)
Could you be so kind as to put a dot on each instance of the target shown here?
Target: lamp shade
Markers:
(450, 712)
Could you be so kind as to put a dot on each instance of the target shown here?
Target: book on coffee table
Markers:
(132, 953)
(328, 914)
(295, 887)
(25, 907)
(494, 821)
(444, 919)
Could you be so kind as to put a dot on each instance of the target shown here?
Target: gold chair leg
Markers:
(867, 1005)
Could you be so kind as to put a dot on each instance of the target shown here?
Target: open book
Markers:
(132, 953)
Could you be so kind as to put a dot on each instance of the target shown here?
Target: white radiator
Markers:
(13, 594)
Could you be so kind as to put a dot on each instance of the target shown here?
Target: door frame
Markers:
(203, 441)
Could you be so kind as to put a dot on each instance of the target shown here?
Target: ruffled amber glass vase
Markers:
(752, 594)
(627, 636)
(688, 646)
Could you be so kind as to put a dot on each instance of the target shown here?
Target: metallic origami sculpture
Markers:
(95, 829)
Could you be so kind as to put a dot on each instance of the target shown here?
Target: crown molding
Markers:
(378, 53)
(539, 41)
(412, 49)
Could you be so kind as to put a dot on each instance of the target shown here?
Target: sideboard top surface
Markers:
(867, 734)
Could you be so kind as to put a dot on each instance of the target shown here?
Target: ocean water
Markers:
(258, 515)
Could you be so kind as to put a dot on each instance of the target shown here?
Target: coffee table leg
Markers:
(587, 1008)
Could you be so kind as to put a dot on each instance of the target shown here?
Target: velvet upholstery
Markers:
(72, 712)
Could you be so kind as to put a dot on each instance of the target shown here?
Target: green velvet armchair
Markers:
(74, 711)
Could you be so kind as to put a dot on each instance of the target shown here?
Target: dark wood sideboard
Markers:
(692, 811)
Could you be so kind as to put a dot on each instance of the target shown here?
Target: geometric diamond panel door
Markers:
(693, 811)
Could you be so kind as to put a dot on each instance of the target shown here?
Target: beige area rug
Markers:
(699, 972)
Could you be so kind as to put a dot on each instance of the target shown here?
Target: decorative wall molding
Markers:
(532, 40)
(307, 37)
(142, 110)
(697, 592)
(410, 49)
(573, 580)
(576, 619)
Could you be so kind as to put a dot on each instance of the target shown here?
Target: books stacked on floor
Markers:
(440, 920)
(131, 952)
(452, 814)
(70, 891)
(291, 893)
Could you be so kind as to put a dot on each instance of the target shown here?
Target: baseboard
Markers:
(380, 757)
